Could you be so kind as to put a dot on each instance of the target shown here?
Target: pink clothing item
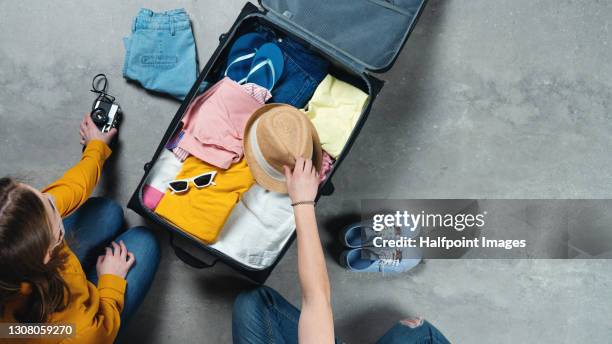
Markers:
(326, 165)
(258, 92)
(214, 123)
(180, 153)
(261, 94)
(151, 196)
(164, 170)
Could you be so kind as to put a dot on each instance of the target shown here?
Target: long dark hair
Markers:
(25, 239)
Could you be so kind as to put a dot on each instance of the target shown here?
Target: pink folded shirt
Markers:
(260, 93)
(213, 126)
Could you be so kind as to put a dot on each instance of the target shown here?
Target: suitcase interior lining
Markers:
(216, 72)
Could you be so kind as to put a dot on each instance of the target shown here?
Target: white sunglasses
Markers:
(201, 181)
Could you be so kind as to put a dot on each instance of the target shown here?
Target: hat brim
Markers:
(262, 178)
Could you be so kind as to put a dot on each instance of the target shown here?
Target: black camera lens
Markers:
(99, 116)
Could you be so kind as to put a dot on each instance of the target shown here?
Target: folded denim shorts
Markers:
(161, 53)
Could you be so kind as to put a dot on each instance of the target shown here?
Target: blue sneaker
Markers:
(361, 234)
(367, 260)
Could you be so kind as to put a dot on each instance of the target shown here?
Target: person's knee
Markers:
(251, 316)
(249, 302)
(143, 243)
(106, 208)
(412, 322)
(417, 329)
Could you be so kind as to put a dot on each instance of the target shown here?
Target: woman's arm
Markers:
(316, 324)
(77, 184)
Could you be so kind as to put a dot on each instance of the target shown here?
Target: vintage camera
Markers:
(105, 113)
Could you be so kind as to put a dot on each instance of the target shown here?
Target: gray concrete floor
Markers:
(489, 99)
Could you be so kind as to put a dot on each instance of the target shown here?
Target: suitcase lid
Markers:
(369, 32)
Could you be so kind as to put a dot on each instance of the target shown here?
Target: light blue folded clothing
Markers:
(161, 53)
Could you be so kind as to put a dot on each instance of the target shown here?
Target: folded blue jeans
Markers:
(263, 316)
(161, 54)
(303, 71)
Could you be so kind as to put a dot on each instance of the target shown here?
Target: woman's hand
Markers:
(89, 131)
(117, 261)
(316, 323)
(303, 182)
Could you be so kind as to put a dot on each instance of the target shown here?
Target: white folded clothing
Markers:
(258, 228)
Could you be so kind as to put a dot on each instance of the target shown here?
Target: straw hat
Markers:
(274, 136)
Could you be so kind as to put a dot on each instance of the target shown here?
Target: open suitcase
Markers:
(357, 37)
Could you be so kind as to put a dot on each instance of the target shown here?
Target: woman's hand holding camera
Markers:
(117, 261)
(89, 131)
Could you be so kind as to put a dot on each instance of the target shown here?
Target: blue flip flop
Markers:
(267, 67)
(241, 56)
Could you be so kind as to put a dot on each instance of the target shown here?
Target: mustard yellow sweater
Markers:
(93, 310)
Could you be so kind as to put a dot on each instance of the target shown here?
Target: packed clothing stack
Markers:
(220, 177)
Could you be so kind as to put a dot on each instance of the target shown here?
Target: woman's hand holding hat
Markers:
(303, 182)
(274, 136)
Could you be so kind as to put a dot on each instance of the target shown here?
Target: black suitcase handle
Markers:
(188, 258)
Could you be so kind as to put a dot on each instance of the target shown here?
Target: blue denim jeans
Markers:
(423, 333)
(264, 316)
(303, 72)
(92, 228)
(161, 53)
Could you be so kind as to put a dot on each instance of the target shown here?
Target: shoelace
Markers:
(394, 258)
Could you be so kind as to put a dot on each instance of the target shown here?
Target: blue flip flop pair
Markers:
(252, 59)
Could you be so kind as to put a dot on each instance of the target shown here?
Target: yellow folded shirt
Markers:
(334, 110)
(202, 212)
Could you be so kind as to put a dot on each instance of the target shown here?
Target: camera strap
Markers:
(102, 95)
